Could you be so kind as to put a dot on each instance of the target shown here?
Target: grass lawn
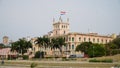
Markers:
(60, 64)
(79, 63)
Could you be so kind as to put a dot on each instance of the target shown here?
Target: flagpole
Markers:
(61, 13)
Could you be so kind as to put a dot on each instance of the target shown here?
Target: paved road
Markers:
(12, 67)
(49, 67)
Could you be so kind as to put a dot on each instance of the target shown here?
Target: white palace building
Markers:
(62, 29)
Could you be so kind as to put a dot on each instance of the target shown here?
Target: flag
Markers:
(62, 13)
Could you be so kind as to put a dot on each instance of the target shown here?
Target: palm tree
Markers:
(43, 42)
(21, 46)
(57, 43)
(46, 42)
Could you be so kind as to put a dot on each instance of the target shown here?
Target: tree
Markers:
(117, 42)
(58, 43)
(21, 46)
(83, 47)
(2, 45)
(39, 41)
(43, 42)
(96, 50)
(91, 49)
(46, 42)
(113, 47)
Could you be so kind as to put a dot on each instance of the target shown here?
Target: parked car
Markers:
(80, 55)
(72, 56)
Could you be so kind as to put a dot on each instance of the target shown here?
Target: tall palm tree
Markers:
(42, 42)
(21, 46)
(57, 43)
(46, 42)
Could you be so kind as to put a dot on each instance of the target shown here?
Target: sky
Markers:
(22, 18)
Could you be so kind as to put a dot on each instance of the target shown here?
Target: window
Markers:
(84, 39)
(98, 40)
(93, 39)
(72, 46)
(106, 41)
(89, 39)
(62, 26)
(102, 40)
(64, 32)
(69, 47)
(72, 38)
(109, 40)
(69, 38)
(56, 32)
(64, 38)
(55, 26)
(66, 26)
(79, 38)
(58, 26)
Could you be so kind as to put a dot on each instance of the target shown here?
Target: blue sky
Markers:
(21, 18)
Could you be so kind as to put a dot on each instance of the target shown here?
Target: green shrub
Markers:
(104, 60)
(25, 57)
(107, 60)
(33, 65)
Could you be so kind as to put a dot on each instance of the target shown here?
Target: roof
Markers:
(88, 34)
(6, 51)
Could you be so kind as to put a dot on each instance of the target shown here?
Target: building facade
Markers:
(62, 29)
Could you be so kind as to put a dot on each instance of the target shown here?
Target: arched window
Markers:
(84, 39)
(56, 32)
(79, 38)
(64, 32)
(62, 26)
(89, 39)
(73, 46)
(106, 41)
(69, 47)
(93, 39)
(73, 39)
(98, 40)
(102, 40)
(69, 38)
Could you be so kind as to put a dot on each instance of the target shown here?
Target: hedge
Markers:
(104, 60)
